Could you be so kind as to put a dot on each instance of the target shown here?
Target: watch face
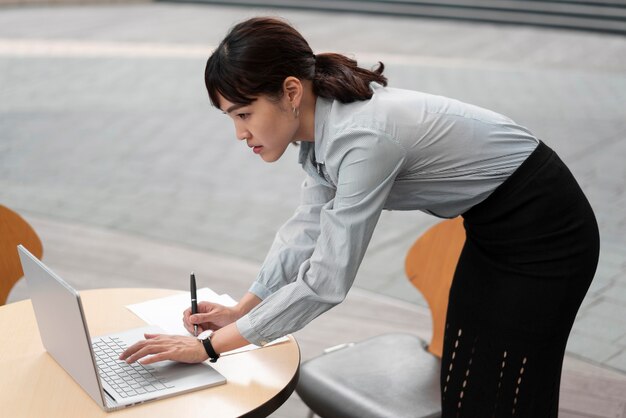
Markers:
(205, 334)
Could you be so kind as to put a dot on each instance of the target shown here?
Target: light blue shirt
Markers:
(400, 150)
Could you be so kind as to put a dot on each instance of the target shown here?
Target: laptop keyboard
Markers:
(126, 379)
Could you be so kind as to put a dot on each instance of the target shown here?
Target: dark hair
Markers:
(258, 54)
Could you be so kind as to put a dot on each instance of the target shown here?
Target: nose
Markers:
(241, 133)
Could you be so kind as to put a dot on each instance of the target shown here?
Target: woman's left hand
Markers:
(161, 347)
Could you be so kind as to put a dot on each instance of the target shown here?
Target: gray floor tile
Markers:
(591, 348)
(618, 361)
(606, 329)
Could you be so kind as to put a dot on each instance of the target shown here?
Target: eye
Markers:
(243, 116)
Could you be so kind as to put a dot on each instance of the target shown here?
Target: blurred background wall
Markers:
(595, 15)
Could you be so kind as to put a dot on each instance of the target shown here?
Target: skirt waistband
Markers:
(538, 158)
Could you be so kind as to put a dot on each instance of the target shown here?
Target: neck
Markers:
(306, 132)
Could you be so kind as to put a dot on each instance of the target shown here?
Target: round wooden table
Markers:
(32, 384)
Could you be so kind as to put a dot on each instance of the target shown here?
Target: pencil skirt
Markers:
(530, 254)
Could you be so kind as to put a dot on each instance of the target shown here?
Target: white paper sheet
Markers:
(167, 313)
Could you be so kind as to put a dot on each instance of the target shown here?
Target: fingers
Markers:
(157, 357)
(189, 325)
(192, 331)
(130, 351)
(158, 347)
(200, 318)
(142, 348)
(206, 306)
(203, 307)
(139, 350)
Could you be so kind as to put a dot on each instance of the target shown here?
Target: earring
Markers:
(296, 112)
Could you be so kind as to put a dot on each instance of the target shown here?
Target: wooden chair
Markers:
(392, 375)
(14, 230)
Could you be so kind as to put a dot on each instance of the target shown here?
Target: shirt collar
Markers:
(322, 110)
(318, 147)
(305, 147)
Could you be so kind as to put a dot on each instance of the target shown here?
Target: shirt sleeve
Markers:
(295, 240)
(367, 164)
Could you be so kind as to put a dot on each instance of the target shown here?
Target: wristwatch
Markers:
(205, 339)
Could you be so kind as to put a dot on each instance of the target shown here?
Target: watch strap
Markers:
(208, 347)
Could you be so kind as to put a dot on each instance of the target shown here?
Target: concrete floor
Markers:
(104, 121)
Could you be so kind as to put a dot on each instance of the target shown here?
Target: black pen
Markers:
(194, 301)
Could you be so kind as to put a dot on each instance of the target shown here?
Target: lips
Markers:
(257, 148)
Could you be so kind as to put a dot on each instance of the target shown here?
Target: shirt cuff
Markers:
(245, 329)
(259, 290)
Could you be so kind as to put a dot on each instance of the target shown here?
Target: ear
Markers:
(293, 91)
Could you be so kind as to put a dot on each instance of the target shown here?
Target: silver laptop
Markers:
(93, 363)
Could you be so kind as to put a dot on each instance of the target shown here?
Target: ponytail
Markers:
(339, 77)
(258, 54)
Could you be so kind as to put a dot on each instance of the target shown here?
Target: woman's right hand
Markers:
(211, 316)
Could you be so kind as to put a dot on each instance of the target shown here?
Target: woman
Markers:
(532, 239)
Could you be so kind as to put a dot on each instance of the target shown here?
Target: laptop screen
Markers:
(59, 314)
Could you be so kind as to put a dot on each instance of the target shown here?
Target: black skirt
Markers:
(531, 252)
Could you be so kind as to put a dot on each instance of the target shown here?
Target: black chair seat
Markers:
(387, 376)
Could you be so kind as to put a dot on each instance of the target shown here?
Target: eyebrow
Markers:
(233, 108)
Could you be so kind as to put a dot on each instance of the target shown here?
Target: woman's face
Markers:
(267, 126)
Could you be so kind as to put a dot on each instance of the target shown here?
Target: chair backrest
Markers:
(430, 266)
(14, 230)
